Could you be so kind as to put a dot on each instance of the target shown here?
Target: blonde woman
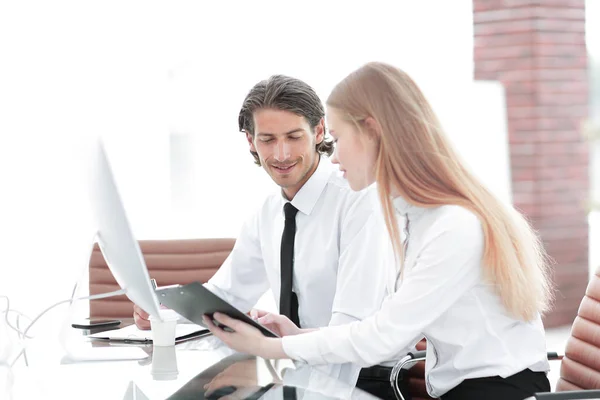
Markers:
(472, 274)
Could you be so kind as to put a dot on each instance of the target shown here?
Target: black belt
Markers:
(376, 372)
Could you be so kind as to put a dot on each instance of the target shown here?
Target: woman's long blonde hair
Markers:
(416, 158)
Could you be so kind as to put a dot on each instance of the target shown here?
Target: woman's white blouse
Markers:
(442, 297)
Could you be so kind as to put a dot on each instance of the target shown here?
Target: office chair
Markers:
(169, 262)
(580, 366)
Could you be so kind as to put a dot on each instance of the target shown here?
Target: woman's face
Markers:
(355, 151)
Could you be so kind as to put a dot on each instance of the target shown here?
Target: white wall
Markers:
(319, 42)
(137, 72)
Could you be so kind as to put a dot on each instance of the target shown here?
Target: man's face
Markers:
(286, 147)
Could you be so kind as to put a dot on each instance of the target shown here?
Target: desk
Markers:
(178, 373)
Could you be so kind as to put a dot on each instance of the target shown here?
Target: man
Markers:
(320, 248)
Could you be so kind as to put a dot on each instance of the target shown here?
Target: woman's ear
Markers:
(372, 127)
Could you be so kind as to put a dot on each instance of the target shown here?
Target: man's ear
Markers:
(250, 139)
(320, 131)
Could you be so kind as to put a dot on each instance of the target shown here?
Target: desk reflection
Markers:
(202, 368)
(245, 377)
(164, 363)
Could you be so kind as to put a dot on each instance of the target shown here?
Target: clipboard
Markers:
(193, 300)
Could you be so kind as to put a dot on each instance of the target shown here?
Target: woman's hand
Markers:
(241, 375)
(245, 338)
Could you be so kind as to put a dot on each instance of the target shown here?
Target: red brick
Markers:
(492, 53)
(566, 233)
(485, 75)
(561, 87)
(522, 162)
(504, 14)
(484, 5)
(523, 175)
(517, 112)
(528, 209)
(520, 100)
(517, 137)
(559, 209)
(523, 149)
(562, 245)
(520, 87)
(561, 62)
(572, 74)
(525, 75)
(508, 39)
(558, 25)
(577, 148)
(559, 12)
(563, 99)
(559, 50)
(504, 64)
(559, 37)
(561, 4)
(495, 28)
(520, 127)
(563, 124)
(573, 256)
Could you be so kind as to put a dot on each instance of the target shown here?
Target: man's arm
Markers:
(242, 278)
(240, 281)
(366, 261)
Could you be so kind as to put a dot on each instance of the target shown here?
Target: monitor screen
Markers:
(114, 235)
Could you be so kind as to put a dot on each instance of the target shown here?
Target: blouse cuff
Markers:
(304, 347)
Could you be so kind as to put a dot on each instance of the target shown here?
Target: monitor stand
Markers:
(75, 347)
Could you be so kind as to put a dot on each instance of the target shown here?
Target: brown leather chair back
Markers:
(580, 367)
(169, 262)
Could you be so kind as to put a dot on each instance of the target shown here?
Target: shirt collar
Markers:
(309, 193)
(406, 209)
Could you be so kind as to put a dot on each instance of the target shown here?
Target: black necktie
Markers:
(288, 301)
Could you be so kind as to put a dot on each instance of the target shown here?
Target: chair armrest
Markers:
(416, 356)
(409, 359)
(578, 394)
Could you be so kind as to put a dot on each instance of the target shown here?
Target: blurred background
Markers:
(516, 84)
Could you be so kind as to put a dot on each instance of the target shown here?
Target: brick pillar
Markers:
(537, 50)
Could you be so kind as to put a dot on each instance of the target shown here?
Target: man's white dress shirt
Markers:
(341, 253)
(444, 297)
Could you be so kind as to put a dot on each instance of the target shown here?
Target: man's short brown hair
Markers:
(284, 93)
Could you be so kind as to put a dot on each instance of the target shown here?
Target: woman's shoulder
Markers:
(456, 219)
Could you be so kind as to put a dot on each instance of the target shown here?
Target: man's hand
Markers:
(141, 318)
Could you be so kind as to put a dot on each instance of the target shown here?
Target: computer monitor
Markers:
(114, 235)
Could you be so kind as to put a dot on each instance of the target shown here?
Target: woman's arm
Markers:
(448, 263)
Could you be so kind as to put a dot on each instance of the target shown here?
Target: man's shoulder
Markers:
(338, 185)
(350, 200)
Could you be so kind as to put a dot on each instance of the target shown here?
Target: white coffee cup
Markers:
(164, 328)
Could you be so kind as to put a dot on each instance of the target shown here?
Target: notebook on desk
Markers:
(132, 335)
